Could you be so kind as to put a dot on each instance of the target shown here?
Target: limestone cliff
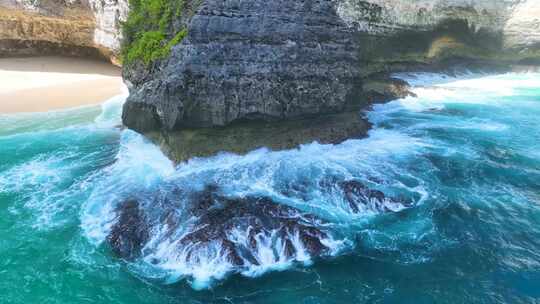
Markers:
(108, 17)
(256, 73)
(87, 28)
(487, 29)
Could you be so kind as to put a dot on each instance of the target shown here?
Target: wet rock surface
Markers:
(241, 231)
(381, 88)
(246, 136)
(362, 198)
(130, 232)
(255, 218)
(240, 226)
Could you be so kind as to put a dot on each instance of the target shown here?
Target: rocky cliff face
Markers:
(516, 22)
(256, 72)
(486, 29)
(282, 52)
(108, 17)
(69, 27)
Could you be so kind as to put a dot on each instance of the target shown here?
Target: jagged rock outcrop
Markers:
(208, 219)
(195, 227)
(248, 64)
(89, 28)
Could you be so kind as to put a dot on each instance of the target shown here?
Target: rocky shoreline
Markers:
(199, 226)
(237, 75)
(245, 135)
(283, 73)
(247, 74)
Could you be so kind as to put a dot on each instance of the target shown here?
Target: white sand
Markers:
(40, 84)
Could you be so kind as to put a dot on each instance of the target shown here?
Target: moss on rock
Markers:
(244, 136)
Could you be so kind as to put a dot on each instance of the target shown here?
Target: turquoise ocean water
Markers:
(465, 151)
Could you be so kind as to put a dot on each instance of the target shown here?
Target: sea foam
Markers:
(299, 178)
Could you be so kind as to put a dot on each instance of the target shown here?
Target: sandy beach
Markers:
(40, 84)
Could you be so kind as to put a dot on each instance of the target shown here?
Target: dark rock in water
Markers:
(359, 196)
(380, 89)
(218, 217)
(445, 111)
(239, 226)
(130, 233)
(206, 234)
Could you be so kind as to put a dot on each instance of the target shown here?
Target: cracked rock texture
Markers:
(251, 60)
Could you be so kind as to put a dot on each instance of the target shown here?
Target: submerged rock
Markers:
(130, 232)
(242, 232)
(380, 89)
(203, 235)
(256, 220)
(239, 231)
(359, 198)
(362, 198)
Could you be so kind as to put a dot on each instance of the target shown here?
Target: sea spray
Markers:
(309, 179)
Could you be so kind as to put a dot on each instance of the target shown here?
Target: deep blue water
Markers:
(465, 151)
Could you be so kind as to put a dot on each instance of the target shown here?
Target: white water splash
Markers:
(294, 178)
(139, 166)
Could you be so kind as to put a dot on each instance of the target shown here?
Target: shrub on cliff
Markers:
(149, 33)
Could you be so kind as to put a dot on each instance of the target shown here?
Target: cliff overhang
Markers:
(248, 71)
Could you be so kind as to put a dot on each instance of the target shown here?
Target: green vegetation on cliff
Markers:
(149, 32)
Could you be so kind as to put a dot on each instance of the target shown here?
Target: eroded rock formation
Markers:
(196, 224)
(89, 28)
(276, 65)
(197, 229)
